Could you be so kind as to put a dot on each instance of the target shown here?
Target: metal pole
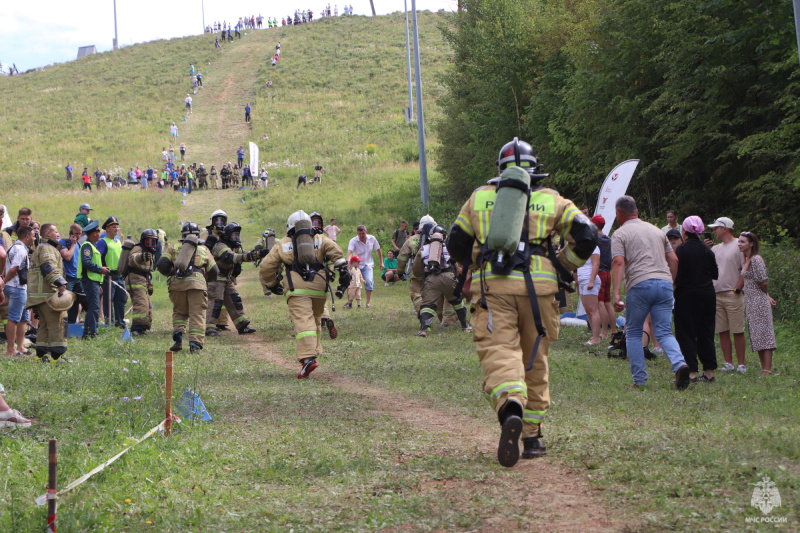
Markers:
(203, 8)
(410, 115)
(116, 36)
(796, 5)
(168, 396)
(423, 160)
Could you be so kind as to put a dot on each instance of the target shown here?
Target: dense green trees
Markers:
(704, 92)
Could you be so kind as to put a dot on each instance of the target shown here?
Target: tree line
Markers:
(705, 93)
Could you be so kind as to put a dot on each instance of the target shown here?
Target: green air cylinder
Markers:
(508, 214)
(305, 243)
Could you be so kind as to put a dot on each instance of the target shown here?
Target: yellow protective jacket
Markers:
(203, 264)
(407, 252)
(548, 212)
(46, 274)
(139, 268)
(283, 254)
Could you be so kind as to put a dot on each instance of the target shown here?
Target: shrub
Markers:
(784, 279)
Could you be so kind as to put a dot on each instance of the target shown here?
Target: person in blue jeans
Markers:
(644, 257)
(70, 256)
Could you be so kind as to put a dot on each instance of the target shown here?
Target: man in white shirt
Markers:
(363, 245)
(728, 286)
(332, 230)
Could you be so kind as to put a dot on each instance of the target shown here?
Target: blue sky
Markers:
(37, 33)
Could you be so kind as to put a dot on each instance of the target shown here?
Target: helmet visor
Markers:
(150, 242)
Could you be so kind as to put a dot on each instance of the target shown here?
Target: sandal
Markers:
(590, 343)
(26, 352)
(422, 334)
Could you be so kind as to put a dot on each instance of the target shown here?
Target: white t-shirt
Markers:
(17, 257)
(586, 270)
(364, 249)
(332, 231)
(188, 100)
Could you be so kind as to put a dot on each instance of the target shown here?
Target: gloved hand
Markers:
(276, 289)
(344, 277)
(148, 256)
(262, 253)
(149, 290)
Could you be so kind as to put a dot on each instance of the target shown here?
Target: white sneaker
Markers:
(657, 351)
(385, 284)
(727, 368)
(742, 369)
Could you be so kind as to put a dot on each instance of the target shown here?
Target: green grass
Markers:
(317, 455)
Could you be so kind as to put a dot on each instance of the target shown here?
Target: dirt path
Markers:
(563, 500)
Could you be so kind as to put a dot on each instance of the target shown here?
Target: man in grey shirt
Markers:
(642, 254)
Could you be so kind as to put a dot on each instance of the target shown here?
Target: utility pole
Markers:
(116, 36)
(372, 5)
(796, 5)
(410, 113)
(423, 160)
(203, 8)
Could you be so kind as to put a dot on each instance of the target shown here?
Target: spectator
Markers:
(759, 303)
(164, 154)
(97, 174)
(363, 245)
(69, 246)
(16, 290)
(68, 168)
(675, 238)
(608, 318)
(240, 156)
(247, 110)
(11, 417)
(173, 132)
(183, 151)
(399, 236)
(199, 79)
(265, 180)
(730, 300)
(643, 256)
(356, 282)
(318, 173)
(695, 301)
(590, 284)
(87, 181)
(332, 230)
(24, 218)
(171, 154)
(672, 222)
(389, 272)
(585, 210)
(188, 104)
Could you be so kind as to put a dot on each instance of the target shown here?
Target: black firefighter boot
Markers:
(244, 330)
(194, 347)
(177, 336)
(532, 447)
(425, 321)
(461, 313)
(510, 416)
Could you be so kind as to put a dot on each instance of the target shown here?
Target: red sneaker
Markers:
(308, 367)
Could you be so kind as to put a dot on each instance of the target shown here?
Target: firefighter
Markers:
(202, 177)
(229, 261)
(190, 267)
(210, 236)
(447, 316)
(438, 281)
(504, 234)
(48, 295)
(307, 280)
(141, 262)
(214, 177)
(326, 321)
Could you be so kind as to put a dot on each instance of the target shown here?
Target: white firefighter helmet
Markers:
(295, 217)
(427, 219)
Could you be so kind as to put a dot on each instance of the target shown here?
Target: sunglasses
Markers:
(745, 233)
(76, 234)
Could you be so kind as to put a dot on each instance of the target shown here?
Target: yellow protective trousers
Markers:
(444, 311)
(306, 312)
(142, 312)
(189, 310)
(504, 350)
(50, 337)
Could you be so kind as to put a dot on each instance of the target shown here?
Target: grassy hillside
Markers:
(392, 432)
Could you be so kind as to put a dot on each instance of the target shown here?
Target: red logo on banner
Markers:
(604, 200)
(614, 177)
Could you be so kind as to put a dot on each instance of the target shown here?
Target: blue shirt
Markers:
(70, 267)
(240, 152)
(246, 110)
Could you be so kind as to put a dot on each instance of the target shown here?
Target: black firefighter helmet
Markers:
(520, 154)
(149, 240)
(316, 222)
(230, 235)
(190, 228)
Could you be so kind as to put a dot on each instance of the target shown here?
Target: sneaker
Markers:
(13, 419)
(308, 367)
(705, 379)
(332, 331)
(727, 368)
(682, 378)
(532, 448)
(741, 369)
(245, 330)
(349, 305)
(657, 351)
(467, 329)
(385, 284)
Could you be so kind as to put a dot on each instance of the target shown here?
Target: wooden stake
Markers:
(168, 425)
(51, 486)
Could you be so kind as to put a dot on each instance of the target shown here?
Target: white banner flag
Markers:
(614, 186)
(254, 160)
